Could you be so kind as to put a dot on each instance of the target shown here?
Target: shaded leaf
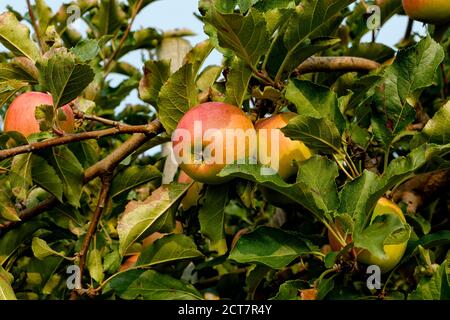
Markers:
(132, 177)
(151, 285)
(177, 96)
(246, 35)
(211, 216)
(64, 77)
(141, 216)
(320, 134)
(169, 248)
(237, 82)
(6, 291)
(438, 128)
(272, 247)
(155, 75)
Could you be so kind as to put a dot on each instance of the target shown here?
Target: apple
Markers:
(211, 135)
(394, 252)
(193, 194)
(20, 115)
(429, 11)
(290, 151)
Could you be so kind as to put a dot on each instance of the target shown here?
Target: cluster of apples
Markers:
(221, 116)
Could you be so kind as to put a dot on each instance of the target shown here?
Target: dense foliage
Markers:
(377, 120)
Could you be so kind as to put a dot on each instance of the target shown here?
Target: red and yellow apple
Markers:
(211, 135)
(429, 11)
(20, 115)
(290, 152)
(394, 252)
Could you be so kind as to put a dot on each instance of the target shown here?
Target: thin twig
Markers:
(81, 115)
(69, 138)
(333, 64)
(105, 165)
(136, 8)
(30, 213)
(102, 201)
(35, 26)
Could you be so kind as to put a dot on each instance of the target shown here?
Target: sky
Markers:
(171, 14)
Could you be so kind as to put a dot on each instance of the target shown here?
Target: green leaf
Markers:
(276, 17)
(373, 238)
(44, 14)
(245, 5)
(246, 35)
(272, 247)
(208, 77)
(413, 69)
(136, 220)
(45, 176)
(211, 216)
(95, 266)
(438, 128)
(403, 167)
(156, 74)
(320, 134)
(151, 285)
(44, 115)
(6, 291)
(311, 99)
(109, 17)
(440, 238)
(16, 37)
(21, 175)
(87, 152)
(322, 187)
(355, 194)
(170, 248)
(10, 71)
(255, 274)
(298, 192)
(8, 89)
(197, 55)
(132, 177)
(42, 250)
(237, 82)
(435, 288)
(325, 286)
(86, 49)
(63, 76)
(13, 239)
(174, 48)
(177, 96)
(315, 18)
(361, 89)
(70, 171)
(290, 290)
(7, 209)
